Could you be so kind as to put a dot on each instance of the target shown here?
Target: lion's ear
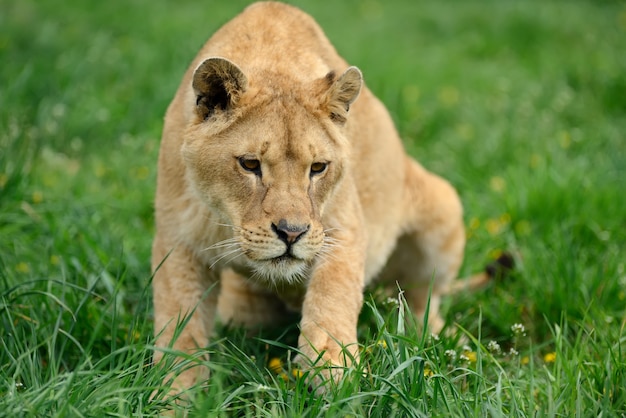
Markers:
(218, 84)
(342, 93)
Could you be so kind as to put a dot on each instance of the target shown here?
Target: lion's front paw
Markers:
(326, 366)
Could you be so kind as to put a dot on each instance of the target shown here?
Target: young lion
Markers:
(278, 189)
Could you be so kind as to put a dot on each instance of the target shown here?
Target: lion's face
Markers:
(269, 165)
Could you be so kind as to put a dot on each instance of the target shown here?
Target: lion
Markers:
(284, 185)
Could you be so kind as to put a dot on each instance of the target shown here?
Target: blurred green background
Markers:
(520, 104)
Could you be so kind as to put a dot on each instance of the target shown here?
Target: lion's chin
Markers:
(282, 269)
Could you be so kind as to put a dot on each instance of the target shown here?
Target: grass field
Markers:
(520, 104)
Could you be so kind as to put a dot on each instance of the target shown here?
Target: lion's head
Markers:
(267, 152)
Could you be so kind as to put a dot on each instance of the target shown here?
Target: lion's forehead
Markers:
(291, 148)
(287, 132)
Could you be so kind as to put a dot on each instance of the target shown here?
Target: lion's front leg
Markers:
(330, 313)
(185, 300)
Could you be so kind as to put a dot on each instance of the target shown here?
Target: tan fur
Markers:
(268, 87)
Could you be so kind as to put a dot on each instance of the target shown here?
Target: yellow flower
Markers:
(411, 93)
(535, 160)
(465, 131)
(470, 355)
(297, 373)
(565, 139)
(22, 267)
(493, 226)
(381, 343)
(495, 254)
(135, 335)
(37, 197)
(522, 227)
(497, 184)
(448, 96)
(525, 360)
(141, 173)
(550, 357)
(99, 169)
(428, 372)
(275, 365)
(473, 225)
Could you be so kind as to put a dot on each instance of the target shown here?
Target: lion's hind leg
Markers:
(429, 254)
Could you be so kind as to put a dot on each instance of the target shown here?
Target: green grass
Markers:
(521, 104)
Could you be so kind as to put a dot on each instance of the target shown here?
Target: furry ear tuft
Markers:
(342, 93)
(218, 84)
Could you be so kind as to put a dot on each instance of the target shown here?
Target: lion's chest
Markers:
(291, 294)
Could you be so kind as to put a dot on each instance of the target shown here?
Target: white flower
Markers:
(451, 354)
(518, 329)
(494, 347)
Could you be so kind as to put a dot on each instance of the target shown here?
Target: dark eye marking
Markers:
(250, 164)
(318, 168)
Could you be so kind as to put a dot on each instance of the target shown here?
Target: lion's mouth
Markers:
(283, 258)
(287, 257)
(286, 267)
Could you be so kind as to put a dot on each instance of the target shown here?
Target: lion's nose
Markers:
(289, 233)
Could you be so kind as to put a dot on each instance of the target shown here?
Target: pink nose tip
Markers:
(289, 233)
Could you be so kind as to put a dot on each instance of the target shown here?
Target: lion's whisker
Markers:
(226, 254)
(233, 227)
(327, 256)
(229, 242)
(234, 257)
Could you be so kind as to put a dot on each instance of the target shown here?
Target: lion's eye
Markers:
(250, 164)
(318, 168)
